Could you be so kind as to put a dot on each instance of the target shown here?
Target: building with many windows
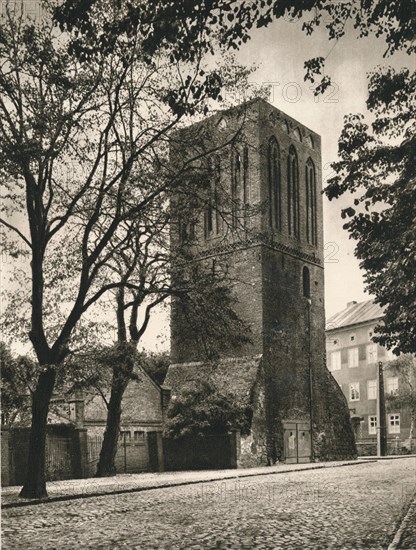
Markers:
(353, 359)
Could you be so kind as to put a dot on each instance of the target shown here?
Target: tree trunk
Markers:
(106, 465)
(35, 486)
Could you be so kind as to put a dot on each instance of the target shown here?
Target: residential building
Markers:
(353, 359)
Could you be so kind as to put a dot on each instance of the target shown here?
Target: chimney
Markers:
(351, 303)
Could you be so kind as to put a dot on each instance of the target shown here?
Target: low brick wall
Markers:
(215, 452)
(394, 447)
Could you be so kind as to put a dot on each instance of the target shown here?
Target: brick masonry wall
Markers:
(253, 448)
(272, 123)
(395, 446)
(18, 451)
(287, 314)
(267, 279)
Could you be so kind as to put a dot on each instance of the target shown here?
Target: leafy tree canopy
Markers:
(208, 307)
(405, 397)
(377, 166)
(182, 29)
(156, 365)
(202, 410)
(404, 367)
(84, 159)
(16, 384)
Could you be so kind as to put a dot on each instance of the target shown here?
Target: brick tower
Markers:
(269, 235)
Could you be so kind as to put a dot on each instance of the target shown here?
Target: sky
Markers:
(280, 52)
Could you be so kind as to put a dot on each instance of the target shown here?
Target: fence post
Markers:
(80, 453)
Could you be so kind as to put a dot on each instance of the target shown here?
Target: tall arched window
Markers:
(293, 193)
(245, 185)
(212, 210)
(275, 198)
(306, 282)
(235, 186)
(217, 192)
(208, 215)
(310, 183)
(245, 176)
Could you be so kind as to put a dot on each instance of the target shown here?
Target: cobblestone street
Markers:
(353, 507)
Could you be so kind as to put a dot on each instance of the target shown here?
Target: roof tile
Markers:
(237, 376)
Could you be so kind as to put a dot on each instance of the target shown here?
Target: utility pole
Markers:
(310, 375)
(381, 412)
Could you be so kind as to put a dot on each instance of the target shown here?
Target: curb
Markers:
(65, 498)
(403, 525)
(390, 457)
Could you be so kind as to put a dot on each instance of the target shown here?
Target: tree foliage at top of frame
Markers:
(376, 167)
(181, 29)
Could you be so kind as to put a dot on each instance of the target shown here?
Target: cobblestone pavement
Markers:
(408, 534)
(129, 482)
(332, 508)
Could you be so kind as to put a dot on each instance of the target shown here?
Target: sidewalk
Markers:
(124, 483)
(387, 457)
